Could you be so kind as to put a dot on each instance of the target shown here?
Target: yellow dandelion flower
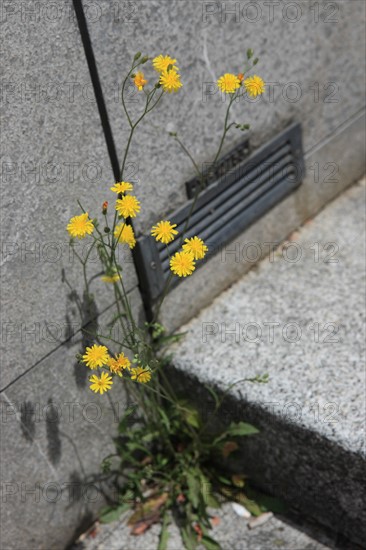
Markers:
(140, 81)
(124, 234)
(170, 81)
(162, 62)
(111, 278)
(128, 206)
(254, 85)
(141, 375)
(182, 264)
(164, 231)
(101, 384)
(80, 226)
(122, 187)
(119, 363)
(96, 356)
(195, 246)
(228, 83)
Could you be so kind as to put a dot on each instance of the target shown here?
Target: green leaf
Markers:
(165, 419)
(224, 480)
(214, 395)
(210, 543)
(241, 428)
(194, 489)
(266, 502)
(249, 504)
(109, 514)
(171, 338)
(212, 501)
(190, 414)
(189, 538)
(124, 420)
(133, 446)
(164, 533)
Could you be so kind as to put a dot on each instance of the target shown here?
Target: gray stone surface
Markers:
(53, 153)
(55, 434)
(300, 317)
(311, 77)
(319, 186)
(232, 533)
(295, 58)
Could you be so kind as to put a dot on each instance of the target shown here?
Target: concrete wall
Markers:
(55, 431)
(53, 152)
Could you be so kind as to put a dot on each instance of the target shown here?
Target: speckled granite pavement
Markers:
(232, 533)
(299, 316)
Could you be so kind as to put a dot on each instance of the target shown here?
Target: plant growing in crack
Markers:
(166, 458)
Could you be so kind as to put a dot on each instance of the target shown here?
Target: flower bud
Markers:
(144, 59)
(171, 128)
(250, 53)
(104, 207)
(137, 56)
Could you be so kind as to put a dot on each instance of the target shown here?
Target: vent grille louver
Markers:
(227, 207)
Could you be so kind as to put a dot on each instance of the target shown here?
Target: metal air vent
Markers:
(226, 208)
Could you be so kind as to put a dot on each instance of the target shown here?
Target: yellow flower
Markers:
(254, 85)
(101, 384)
(162, 62)
(141, 375)
(140, 81)
(80, 226)
(182, 264)
(170, 81)
(96, 356)
(119, 363)
(124, 234)
(195, 246)
(128, 206)
(164, 231)
(122, 187)
(228, 83)
(111, 278)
